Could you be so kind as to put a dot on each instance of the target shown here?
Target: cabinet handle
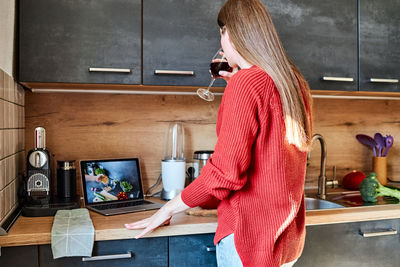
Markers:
(108, 257)
(174, 72)
(211, 248)
(376, 80)
(337, 79)
(383, 233)
(109, 70)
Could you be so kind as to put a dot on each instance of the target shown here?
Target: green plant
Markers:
(370, 189)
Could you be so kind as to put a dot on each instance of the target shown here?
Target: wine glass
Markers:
(218, 63)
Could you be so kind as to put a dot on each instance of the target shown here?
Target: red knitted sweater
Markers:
(255, 173)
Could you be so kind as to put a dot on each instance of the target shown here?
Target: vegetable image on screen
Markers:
(126, 186)
(104, 179)
(100, 171)
(110, 179)
(99, 197)
(122, 196)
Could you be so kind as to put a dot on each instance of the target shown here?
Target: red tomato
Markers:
(352, 180)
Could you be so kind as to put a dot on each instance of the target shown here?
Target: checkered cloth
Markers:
(72, 233)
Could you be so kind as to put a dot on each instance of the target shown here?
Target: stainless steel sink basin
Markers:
(319, 204)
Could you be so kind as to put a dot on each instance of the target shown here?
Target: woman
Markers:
(257, 171)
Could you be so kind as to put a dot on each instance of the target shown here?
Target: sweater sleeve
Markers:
(226, 169)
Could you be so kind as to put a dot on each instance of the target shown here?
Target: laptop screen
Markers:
(111, 180)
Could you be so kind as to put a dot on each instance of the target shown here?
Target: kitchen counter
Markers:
(36, 230)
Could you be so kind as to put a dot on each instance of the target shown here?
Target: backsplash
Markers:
(90, 126)
(93, 126)
(12, 142)
(339, 121)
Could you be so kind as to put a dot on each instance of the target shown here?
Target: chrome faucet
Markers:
(322, 170)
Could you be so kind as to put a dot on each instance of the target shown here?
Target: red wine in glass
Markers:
(215, 67)
(218, 63)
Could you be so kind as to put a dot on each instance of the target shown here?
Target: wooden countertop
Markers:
(36, 230)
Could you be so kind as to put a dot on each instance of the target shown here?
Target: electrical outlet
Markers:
(192, 168)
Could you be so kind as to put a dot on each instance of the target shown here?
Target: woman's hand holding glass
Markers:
(219, 68)
(223, 74)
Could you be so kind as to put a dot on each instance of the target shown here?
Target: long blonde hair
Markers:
(254, 36)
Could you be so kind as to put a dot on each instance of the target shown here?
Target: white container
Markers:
(173, 165)
(173, 175)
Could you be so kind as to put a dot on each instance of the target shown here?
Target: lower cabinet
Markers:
(192, 250)
(367, 244)
(131, 252)
(26, 256)
(179, 251)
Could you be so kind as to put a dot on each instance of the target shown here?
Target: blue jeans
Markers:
(227, 255)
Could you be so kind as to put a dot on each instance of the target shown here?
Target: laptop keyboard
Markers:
(121, 205)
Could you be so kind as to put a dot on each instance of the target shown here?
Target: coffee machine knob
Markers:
(37, 159)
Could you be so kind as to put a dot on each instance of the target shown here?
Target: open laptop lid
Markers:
(111, 180)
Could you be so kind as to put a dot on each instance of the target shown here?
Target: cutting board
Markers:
(202, 212)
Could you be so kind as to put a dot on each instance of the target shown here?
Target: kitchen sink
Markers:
(319, 204)
(354, 199)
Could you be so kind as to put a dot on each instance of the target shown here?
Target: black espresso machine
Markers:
(38, 198)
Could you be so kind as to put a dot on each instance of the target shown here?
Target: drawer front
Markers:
(144, 252)
(11, 256)
(344, 245)
(193, 250)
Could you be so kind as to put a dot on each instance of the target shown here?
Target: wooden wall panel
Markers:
(92, 126)
(89, 126)
(340, 120)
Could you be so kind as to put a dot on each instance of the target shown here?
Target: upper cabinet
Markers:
(321, 39)
(379, 45)
(179, 39)
(337, 45)
(80, 41)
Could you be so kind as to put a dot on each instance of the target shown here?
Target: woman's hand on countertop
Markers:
(161, 217)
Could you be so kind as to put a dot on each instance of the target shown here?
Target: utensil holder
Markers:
(379, 166)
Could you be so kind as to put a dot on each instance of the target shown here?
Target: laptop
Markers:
(114, 186)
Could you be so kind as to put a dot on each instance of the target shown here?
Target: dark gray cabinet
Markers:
(321, 39)
(19, 256)
(180, 37)
(146, 252)
(344, 245)
(104, 41)
(379, 45)
(367, 244)
(182, 251)
(59, 41)
(192, 251)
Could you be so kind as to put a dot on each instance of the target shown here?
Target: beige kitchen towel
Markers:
(72, 233)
